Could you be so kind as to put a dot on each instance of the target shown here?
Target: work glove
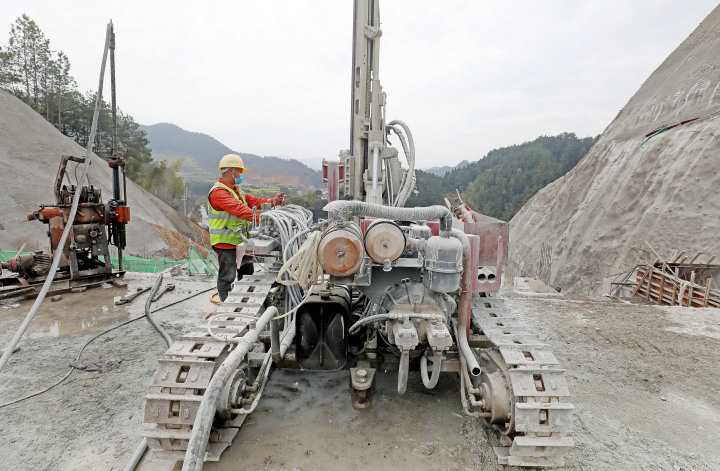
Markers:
(279, 199)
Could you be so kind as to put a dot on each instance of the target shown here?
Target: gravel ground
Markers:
(641, 377)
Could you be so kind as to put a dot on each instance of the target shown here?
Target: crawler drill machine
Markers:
(376, 288)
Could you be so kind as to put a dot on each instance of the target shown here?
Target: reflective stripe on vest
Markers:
(224, 227)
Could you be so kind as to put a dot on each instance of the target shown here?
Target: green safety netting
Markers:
(131, 263)
(6, 255)
(196, 263)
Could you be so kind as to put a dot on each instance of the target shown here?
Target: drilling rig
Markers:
(376, 288)
(84, 260)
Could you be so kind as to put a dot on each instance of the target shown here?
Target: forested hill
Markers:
(505, 179)
(201, 153)
(440, 171)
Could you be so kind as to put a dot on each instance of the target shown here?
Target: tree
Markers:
(8, 76)
(429, 190)
(64, 85)
(29, 52)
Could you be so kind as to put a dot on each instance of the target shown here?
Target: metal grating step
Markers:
(539, 382)
(540, 417)
(532, 357)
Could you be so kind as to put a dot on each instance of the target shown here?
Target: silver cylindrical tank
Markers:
(443, 267)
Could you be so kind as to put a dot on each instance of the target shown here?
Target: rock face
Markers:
(594, 221)
(30, 153)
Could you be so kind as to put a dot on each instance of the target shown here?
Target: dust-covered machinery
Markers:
(85, 256)
(376, 288)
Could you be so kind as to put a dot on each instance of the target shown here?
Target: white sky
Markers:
(272, 77)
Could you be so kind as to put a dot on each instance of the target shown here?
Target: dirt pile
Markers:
(30, 152)
(629, 189)
(178, 246)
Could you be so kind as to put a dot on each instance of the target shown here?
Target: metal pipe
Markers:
(197, 445)
(465, 305)
(463, 383)
(135, 458)
(376, 162)
(275, 339)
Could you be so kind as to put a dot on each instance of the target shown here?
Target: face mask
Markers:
(240, 179)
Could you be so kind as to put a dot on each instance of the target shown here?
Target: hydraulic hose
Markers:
(344, 210)
(76, 200)
(403, 371)
(430, 382)
(197, 444)
(465, 305)
(408, 183)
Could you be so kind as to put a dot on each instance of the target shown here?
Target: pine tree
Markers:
(29, 52)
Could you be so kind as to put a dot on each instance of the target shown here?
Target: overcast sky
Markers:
(272, 77)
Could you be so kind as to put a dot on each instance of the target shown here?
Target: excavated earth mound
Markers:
(594, 221)
(30, 153)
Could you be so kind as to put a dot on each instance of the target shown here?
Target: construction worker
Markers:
(230, 214)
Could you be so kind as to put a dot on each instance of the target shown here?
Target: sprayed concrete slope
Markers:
(594, 221)
(30, 152)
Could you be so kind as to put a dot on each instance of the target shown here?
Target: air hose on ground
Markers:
(95, 338)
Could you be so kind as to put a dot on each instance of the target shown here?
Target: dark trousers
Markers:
(228, 271)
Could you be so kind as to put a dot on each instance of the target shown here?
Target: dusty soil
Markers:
(642, 380)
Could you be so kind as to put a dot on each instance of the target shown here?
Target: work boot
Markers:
(222, 295)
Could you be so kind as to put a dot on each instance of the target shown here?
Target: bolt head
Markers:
(362, 373)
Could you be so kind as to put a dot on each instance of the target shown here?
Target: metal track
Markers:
(540, 420)
(184, 372)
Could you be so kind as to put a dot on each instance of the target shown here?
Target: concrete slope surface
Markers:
(30, 153)
(594, 221)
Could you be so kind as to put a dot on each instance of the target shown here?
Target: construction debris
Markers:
(130, 297)
(678, 282)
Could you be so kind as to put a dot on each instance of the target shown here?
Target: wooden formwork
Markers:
(678, 284)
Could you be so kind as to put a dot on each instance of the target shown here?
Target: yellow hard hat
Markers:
(232, 160)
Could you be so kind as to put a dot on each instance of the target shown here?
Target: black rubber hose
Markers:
(95, 338)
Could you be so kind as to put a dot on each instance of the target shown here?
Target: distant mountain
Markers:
(501, 182)
(201, 153)
(440, 171)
